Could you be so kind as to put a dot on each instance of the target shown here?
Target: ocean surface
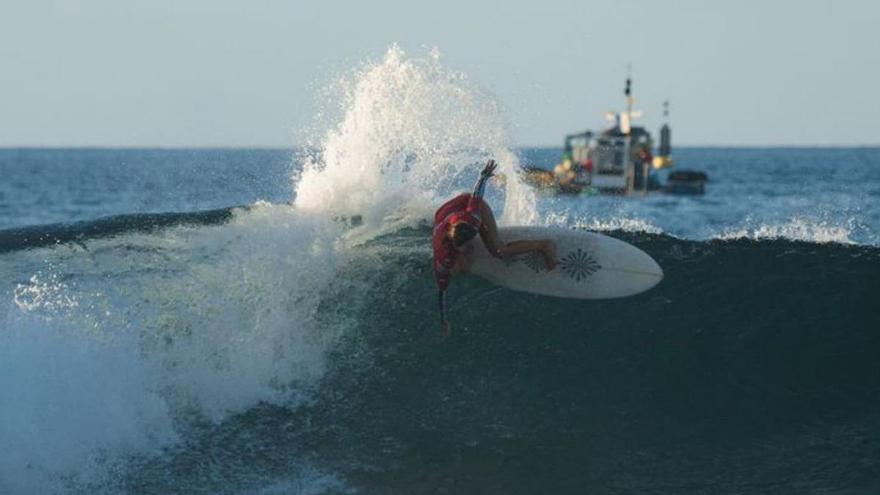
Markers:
(210, 321)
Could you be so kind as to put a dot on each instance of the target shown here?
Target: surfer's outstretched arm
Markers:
(480, 186)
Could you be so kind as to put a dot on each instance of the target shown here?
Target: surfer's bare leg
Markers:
(489, 231)
(544, 246)
(500, 249)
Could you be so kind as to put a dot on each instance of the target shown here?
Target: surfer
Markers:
(457, 223)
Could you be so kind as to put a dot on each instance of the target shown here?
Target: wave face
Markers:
(241, 358)
(751, 368)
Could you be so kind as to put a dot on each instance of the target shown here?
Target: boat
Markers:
(686, 182)
(616, 160)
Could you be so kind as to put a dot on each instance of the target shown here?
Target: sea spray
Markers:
(412, 134)
(76, 396)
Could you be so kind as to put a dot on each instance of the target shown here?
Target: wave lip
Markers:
(796, 229)
(59, 233)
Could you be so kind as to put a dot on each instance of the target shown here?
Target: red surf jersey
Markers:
(445, 253)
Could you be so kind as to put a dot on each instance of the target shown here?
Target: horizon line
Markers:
(297, 147)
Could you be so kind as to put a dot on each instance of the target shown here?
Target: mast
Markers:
(665, 132)
(625, 121)
(628, 92)
(664, 158)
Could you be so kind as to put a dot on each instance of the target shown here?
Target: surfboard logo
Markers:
(579, 265)
(535, 261)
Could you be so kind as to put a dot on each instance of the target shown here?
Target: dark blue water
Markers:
(171, 324)
(830, 194)
(69, 185)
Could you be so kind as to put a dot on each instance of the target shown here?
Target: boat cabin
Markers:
(611, 162)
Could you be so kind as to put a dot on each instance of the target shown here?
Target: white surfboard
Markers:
(591, 265)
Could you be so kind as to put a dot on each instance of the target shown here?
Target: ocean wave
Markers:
(141, 341)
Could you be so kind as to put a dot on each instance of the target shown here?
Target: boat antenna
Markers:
(625, 120)
(628, 90)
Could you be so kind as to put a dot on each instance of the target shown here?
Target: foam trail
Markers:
(412, 134)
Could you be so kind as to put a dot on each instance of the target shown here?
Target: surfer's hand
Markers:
(549, 251)
(489, 169)
(447, 330)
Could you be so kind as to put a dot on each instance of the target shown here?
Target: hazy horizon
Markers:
(515, 147)
(228, 75)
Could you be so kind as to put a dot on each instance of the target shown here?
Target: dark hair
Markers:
(462, 232)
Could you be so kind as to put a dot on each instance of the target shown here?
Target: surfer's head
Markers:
(461, 233)
(463, 226)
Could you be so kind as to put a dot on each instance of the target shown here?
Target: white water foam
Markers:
(73, 399)
(155, 331)
(588, 222)
(796, 229)
(600, 214)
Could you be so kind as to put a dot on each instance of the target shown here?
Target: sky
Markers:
(177, 73)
